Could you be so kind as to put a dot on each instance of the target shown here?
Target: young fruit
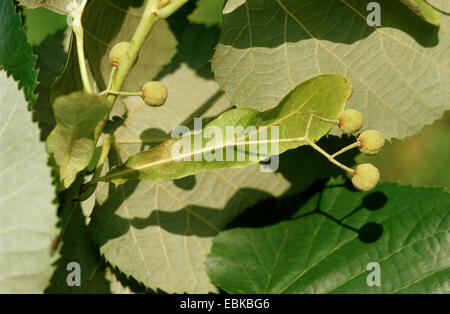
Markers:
(365, 177)
(117, 53)
(371, 142)
(154, 93)
(350, 121)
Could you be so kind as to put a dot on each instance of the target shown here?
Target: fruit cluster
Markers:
(365, 176)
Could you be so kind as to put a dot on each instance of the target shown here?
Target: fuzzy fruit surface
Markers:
(371, 142)
(365, 177)
(154, 93)
(350, 121)
(117, 53)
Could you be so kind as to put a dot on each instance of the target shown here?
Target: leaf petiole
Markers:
(79, 36)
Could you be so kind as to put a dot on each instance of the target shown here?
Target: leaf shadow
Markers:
(273, 211)
(190, 220)
(195, 49)
(267, 31)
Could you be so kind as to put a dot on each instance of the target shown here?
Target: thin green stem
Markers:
(320, 150)
(328, 156)
(110, 92)
(79, 35)
(82, 60)
(111, 77)
(325, 119)
(169, 9)
(106, 146)
(349, 147)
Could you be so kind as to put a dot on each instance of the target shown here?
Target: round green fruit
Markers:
(154, 94)
(118, 52)
(350, 121)
(365, 177)
(371, 142)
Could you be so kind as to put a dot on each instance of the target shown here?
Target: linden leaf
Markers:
(73, 140)
(400, 71)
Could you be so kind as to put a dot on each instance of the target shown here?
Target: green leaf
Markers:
(27, 213)
(72, 141)
(41, 23)
(208, 12)
(424, 10)
(160, 232)
(327, 244)
(325, 96)
(268, 47)
(16, 55)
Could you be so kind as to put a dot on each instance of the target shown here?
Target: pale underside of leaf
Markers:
(400, 71)
(27, 212)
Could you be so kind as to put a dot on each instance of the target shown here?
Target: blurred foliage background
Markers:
(420, 160)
